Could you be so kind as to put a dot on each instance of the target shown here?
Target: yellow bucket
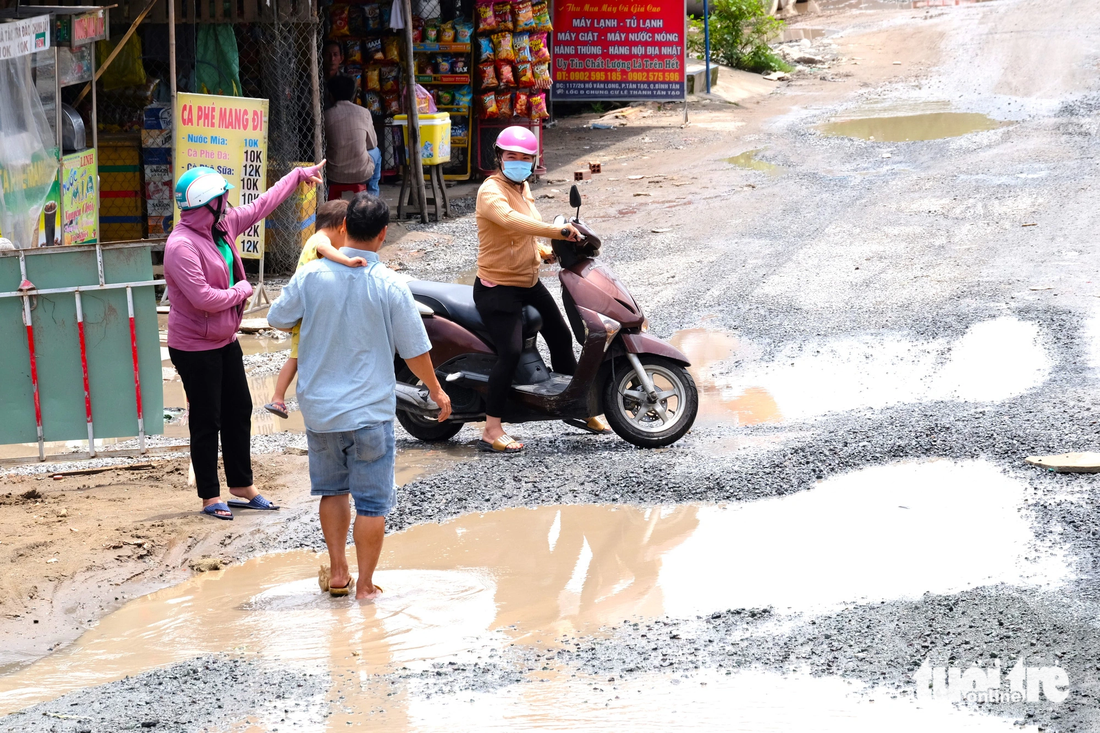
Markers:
(435, 136)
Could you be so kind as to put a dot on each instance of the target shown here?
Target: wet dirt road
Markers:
(881, 330)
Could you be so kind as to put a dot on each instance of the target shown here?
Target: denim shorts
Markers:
(359, 462)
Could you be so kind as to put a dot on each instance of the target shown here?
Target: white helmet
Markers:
(198, 187)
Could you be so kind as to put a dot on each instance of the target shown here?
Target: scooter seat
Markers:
(456, 302)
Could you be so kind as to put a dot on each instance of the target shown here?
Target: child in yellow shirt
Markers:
(326, 243)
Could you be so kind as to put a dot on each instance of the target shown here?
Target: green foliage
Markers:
(739, 35)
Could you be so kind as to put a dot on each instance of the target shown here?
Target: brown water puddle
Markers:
(705, 349)
(748, 161)
(902, 128)
(470, 587)
(252, 344)
(798, 34)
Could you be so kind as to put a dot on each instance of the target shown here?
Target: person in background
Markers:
(352, 324)
(208, 289)
(332, 60)
(325, 242)
(508, 279)
(352, 143)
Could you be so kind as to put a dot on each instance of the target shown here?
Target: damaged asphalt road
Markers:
(854, 249)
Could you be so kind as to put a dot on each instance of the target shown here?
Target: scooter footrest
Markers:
(556, 384)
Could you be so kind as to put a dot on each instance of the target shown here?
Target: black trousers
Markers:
(218, 402)
(501, 309)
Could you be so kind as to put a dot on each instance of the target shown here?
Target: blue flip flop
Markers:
(211, 511)
(257, 502)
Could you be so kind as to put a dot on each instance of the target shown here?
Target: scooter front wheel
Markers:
(650, 421)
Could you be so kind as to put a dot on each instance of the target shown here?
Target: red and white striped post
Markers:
(84, 367)
(137, 374)
(24, 286)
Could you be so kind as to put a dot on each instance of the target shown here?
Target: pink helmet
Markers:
(518, 140)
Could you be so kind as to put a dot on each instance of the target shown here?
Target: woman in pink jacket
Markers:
(208, 289)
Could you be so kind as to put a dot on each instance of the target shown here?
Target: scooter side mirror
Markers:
(575, 197)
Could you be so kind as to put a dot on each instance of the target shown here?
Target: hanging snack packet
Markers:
(502, 46)
(489, 106)
(431, 32)
(372, 50)
(389, 76)
(522, 105)
(338, 21)
(353, 54)
(542, 76)
(525, 76)
(445, 98)
(387, 13)
(357, 24)
(418, 29)
(458, 65)
(463, 32)
(540, 52)
(447, 32)
(373, 102)
(504, 104)
(538, 107)
(542, 17)
(391, 48)
(486, 44)
(486, 18)
(488, 75)
(522, 46)
(372, 79)
(464, 96)
(524, 17)
(391, 103)
(505, 74)
(372, 14)
(503, 12)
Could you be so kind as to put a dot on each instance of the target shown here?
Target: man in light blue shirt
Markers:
(353, 321)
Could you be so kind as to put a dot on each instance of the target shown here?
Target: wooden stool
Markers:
(337, 190)
(435, 192)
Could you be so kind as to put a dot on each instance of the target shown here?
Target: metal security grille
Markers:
(275, 43)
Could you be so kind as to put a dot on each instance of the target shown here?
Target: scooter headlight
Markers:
(611, 326)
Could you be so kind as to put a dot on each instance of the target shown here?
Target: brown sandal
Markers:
(503, 444)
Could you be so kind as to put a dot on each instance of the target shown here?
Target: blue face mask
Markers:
(517, 170)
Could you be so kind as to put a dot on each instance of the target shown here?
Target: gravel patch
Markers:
(195, 695)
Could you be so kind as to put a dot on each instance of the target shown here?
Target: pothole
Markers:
(476, 584)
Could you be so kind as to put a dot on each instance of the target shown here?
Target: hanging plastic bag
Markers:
(425, 105)
(28, 153)
(397, 20)
(126, 70)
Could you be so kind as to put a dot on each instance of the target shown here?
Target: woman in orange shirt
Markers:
(508, 278)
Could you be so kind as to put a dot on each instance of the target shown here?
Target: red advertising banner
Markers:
(611, 51)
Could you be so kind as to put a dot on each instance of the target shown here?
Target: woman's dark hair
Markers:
(342, 88)
(367, 216)
(331, 214)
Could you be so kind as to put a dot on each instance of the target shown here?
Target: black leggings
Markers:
(501, 309)
(218, 402)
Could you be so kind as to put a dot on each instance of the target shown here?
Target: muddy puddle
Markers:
(749, 161)
(468, 588)
(910, 127)
(992, 361)
(798, 34)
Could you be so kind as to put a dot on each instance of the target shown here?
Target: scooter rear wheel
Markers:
(650, 424)
(421, 428)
